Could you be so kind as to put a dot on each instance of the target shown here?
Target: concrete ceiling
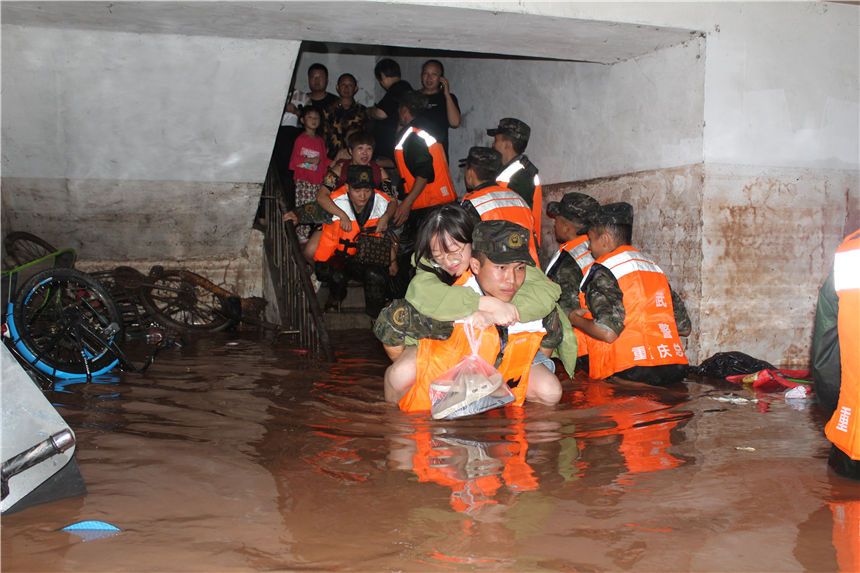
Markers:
(405, 25)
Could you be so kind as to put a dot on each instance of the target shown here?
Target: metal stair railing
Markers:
(299, 310)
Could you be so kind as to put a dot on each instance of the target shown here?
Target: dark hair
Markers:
(481, 172)
(309, 108)
(450, 219)
(518, 144)
(347, 75)
(437, 62)
(622, 234)
(318, 66)
(387, 67)
(360, 138)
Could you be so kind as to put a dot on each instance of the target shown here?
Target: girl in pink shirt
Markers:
(309, 163)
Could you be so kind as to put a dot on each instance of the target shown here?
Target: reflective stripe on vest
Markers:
(499, 203)
(497, 200)
(579, 249)
(342, 200)
(624, 263)
(846, 270)
(504, 178)
(510, 171)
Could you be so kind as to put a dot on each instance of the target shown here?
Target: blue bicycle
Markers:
(60, 320)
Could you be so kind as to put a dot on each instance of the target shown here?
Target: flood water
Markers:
(238, 454)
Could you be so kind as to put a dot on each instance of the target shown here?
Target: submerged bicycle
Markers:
(57, 320)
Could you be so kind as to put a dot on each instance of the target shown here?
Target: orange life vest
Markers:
(333, 237)
(496, 203)
(650, 335)
(474, 470)
(644, 440)
(504, 179)
(843, 429)
(435, 357)
(579, 249)
(436, 192)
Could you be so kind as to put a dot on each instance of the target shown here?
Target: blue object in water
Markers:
(90, 530)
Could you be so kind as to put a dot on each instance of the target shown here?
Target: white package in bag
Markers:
(470, 387)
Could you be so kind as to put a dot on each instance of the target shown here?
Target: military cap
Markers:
(415, 101)
(485, 157)
(574, 206)
(503, 242)
(358, 176)
(614, 214)
(512, 127)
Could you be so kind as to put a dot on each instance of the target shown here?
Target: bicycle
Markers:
(60, 321)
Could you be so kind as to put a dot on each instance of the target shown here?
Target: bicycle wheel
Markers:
(124, 285)
(176, 301)
(22, 247)
(64, 323)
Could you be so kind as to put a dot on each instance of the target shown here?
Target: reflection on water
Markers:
(236, 454)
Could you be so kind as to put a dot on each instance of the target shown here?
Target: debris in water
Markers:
(90, 530)
(733, 399)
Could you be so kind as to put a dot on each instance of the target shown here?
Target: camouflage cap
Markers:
(485, 157)
(415, 101)
(513, 127)
(503, 242)
(614, 214)
(359, 176)
(574, 205)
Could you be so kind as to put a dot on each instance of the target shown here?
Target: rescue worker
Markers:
(636, 324)
(421, 163)
(520, 351)
(571, 262)
(510, 139)
(486, 200)
(836, 356)
(335, 256)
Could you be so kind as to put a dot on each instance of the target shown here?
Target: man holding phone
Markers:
(443, 110)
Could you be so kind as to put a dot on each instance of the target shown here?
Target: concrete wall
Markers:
(132, 147)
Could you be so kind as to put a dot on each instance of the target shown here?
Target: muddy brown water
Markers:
(236, 454)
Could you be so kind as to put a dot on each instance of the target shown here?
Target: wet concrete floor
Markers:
(236, 454)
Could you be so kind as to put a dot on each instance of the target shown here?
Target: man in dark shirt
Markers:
(318, 96)
(384, 113)
(443, 110)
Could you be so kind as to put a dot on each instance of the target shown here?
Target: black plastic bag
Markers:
(724, 364)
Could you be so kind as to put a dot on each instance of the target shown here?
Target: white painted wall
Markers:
(104, 105)
(587, 120)
(781, 83)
